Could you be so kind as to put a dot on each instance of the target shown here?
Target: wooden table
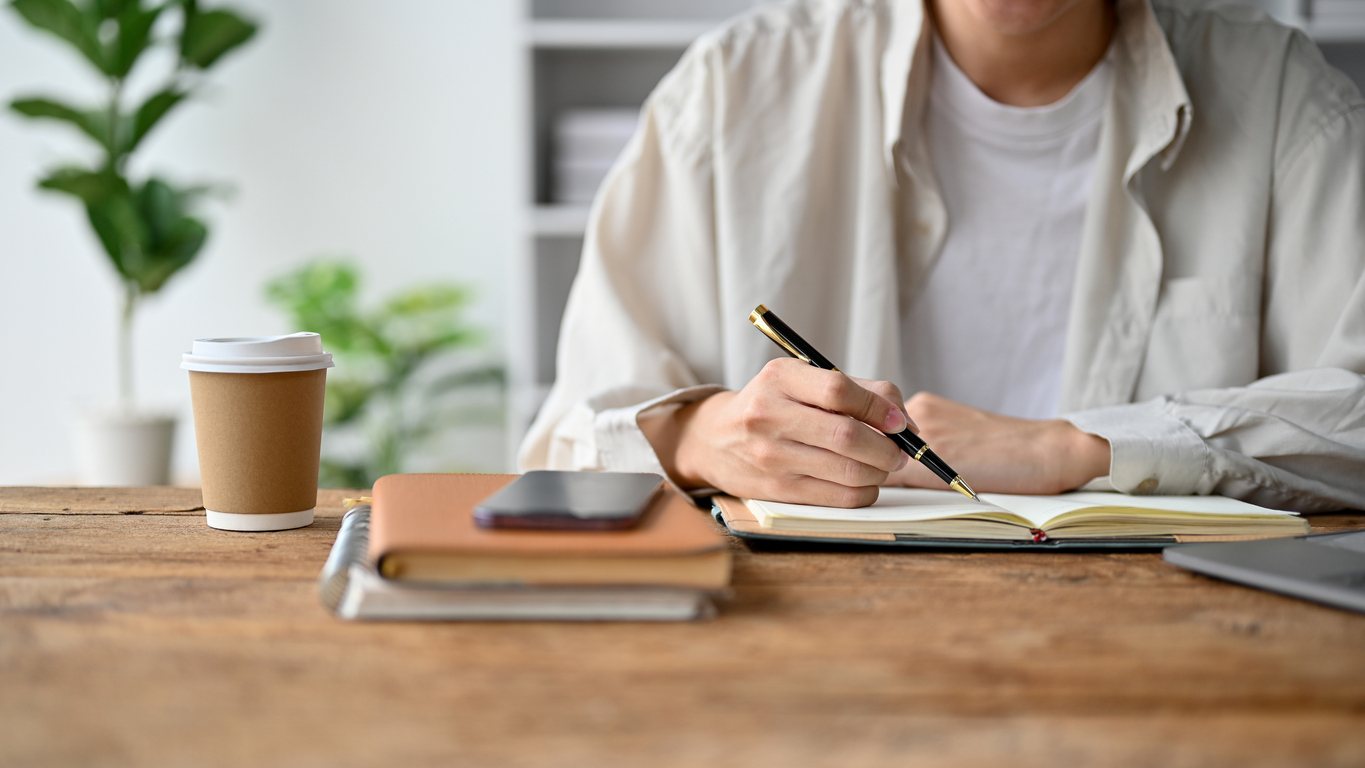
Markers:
(132, 634)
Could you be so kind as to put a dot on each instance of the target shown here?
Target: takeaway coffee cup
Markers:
(258, 425)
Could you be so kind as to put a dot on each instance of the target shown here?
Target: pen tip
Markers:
(959, 485)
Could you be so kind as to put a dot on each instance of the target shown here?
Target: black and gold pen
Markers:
(791, 342)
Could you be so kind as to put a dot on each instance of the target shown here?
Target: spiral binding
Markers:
(349, 549)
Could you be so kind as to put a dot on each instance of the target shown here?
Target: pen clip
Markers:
(761, 323)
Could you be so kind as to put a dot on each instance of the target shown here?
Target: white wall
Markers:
(386, 130)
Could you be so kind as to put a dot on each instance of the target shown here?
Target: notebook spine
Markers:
(349, 549)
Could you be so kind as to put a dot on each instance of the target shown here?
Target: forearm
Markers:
(1294, 440)
(1003, 454)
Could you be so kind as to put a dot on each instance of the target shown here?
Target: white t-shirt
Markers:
(988, 326)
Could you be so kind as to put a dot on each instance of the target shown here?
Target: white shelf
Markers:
(598, 34)
(526, 400)
(566, 221)
(1335, 31)
(577, 54)
(534, 395)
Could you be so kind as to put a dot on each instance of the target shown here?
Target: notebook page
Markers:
(1038, 510)
(892, 505)
(1202, 505)
(1109, 509)
(895, 505)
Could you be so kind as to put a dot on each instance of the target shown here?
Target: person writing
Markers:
(1093, 239)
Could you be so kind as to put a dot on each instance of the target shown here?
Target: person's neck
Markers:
(1026, 69)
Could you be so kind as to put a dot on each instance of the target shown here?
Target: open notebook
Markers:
(912, 512)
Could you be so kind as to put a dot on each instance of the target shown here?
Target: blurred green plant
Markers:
(146, 226)
(397, 368)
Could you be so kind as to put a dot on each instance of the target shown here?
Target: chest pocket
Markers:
(1205, 334)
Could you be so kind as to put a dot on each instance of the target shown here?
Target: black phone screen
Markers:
(557, 500)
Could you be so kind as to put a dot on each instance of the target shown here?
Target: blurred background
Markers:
(410, 178)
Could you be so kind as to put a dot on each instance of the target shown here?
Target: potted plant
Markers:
(408, 372)
(146, 225)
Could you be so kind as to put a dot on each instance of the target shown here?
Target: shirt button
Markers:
(1147, 486)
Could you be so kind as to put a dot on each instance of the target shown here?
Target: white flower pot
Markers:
(124, 448)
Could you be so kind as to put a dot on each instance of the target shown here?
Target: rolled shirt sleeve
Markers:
(1295, 438)
(603, 432)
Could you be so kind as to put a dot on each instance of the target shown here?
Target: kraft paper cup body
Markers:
(258, 425)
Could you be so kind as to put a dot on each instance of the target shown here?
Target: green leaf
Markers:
(173, 253)
(160, 208)
(346, 399)
(173, 239)
(120, 229)
(65, 20)
(420, 301)
(134, 37)
(92, 123)
(209, 35)
(318, 286)
(146, 117)
(88, 186)
(481, 376)
(322, 297)
(108, 9)
(419, 322)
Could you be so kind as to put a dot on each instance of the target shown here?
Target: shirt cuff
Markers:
(1151, 450)
(622, 445)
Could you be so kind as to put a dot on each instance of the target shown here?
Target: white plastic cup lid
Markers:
(257, 354)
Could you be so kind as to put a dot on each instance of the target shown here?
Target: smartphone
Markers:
(570, 501)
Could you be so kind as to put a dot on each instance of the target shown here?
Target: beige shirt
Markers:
(1217, 329)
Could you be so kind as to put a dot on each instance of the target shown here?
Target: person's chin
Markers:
(1020, 17)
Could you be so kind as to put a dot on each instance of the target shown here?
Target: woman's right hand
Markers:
(794, 433)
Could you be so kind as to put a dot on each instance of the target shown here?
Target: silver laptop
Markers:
(1327, 568)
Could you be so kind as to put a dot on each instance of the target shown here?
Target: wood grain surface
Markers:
(133, 634)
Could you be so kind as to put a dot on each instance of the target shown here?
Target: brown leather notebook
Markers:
(422, 529)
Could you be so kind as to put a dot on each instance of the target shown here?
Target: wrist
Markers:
(1087, 455)
(679, 441)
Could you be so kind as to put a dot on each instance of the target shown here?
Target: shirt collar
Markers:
(1149, 92)
(905, 72)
